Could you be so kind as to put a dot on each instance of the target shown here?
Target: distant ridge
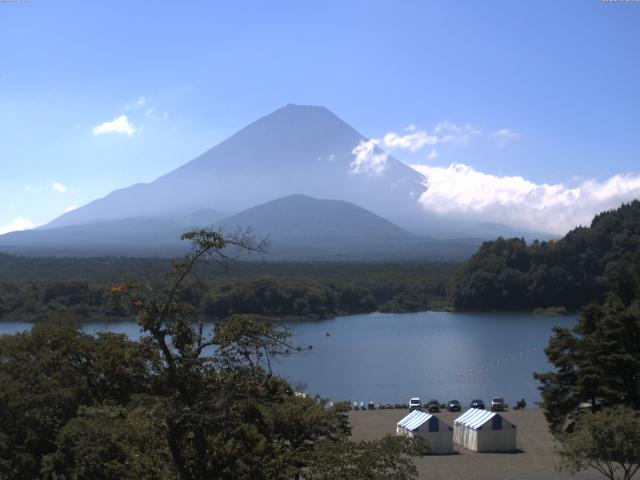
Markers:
(299, 227)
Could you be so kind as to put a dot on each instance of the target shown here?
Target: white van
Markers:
(414, 403)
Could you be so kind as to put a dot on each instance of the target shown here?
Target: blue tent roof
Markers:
(413, 421)
(474, 418)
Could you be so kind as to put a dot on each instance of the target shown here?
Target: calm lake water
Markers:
(392, 357)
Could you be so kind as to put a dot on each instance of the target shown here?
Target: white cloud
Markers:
(70, 208)
(505, 136)
(58, 187)
(433, 154)
(18, 223)
(370, 159)
(460, 190)
(449, 132)
(443, 133)
(118, 125)
(412, 141)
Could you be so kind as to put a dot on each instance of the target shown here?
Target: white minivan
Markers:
(414, 403)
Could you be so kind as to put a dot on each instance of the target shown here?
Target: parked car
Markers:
(432, 406)
(497, 404)
(371, 406)
(414, 403)
(454, 406)
(477, 403)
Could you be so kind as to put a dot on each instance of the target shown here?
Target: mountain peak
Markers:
(294, 110)
(310, 121)
(296, 106)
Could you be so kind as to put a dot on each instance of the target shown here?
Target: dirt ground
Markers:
(536, 459)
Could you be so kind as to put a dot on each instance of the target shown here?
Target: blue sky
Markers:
(560, 80)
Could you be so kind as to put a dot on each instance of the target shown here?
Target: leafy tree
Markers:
(47, 374)
(224, 414)
(607, 441)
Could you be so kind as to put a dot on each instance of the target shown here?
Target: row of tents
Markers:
(477, 430)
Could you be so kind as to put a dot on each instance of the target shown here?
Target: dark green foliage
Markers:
(571, 272)
(598, 362)
(386, 459)
(275, 297)
(109, 442)
(28, 301)
(34, 288)
(47, 374)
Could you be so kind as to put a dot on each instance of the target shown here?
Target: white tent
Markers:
(484, 431)
(438, 434)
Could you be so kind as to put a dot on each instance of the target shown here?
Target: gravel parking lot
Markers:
(536, 460)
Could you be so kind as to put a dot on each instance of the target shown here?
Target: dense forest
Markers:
(33, 288)
(570, 272)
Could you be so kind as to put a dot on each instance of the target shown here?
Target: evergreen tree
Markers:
(597, 362)
(571, 272)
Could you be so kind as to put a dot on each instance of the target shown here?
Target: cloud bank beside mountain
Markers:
(460, 190)
(18, 224)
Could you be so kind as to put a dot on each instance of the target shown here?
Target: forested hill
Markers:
(509, 274)
(35, 288)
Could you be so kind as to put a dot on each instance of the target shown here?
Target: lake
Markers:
(392, 357)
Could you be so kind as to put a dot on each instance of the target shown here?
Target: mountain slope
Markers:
(295, 149)
(304, 228)
(302, 217)
(126, 236)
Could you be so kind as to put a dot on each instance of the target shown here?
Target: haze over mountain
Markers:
(296, 149)
(140, 236)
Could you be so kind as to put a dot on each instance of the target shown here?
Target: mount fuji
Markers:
(285, 175)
